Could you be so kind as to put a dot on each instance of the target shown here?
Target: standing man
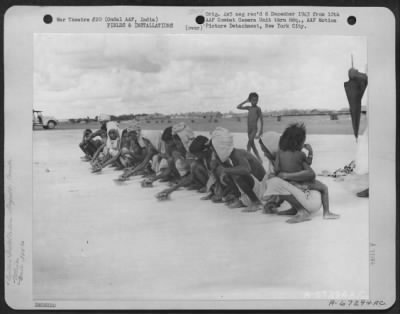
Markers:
(254, 115)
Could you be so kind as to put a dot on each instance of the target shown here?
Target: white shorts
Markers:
(259, 189)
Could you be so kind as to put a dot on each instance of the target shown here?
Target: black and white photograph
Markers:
(200, 167)
(156, 159)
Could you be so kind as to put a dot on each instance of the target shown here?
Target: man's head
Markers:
(200, 147)
(87, 132)
(253, 98)
(132, 135)
(293, 138)
(134, 130)
(182, 135)
(125, 138)
(113, 134)
(167, 135)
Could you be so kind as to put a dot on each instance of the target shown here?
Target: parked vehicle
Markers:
(47, 122)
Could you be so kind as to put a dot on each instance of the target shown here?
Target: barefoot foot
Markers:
(270, 208)
(203, 190)
(207, 197)
(300, 217)
(289, 212)
(330, 215)
(253, 208)
(236, 204)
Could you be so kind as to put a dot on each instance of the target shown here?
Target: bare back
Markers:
(291, 161)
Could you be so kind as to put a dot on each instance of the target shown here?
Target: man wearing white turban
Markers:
(183, 162)
(151, 146)
(183, 135)
(111, 149)
(163, 164)
(247, 171)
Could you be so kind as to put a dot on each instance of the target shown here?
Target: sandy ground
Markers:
(93, 239)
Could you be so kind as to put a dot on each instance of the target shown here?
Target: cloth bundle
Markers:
(185, 134)
(154, 137)
(271, 141)
(222, 141)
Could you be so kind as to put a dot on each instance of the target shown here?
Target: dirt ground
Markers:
(93, 239)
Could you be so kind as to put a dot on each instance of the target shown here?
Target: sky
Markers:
(79, 75)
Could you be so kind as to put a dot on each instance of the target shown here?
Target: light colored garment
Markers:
(270, 140)
(158, 164)
(113, 146)
(154, 137)
(112, 125)
(136, 127)
(211, 181)
(125, 158)
(310, 199)
(259, 189)
(222, 141)
(185, 134)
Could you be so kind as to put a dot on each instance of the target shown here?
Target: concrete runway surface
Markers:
(95, 240)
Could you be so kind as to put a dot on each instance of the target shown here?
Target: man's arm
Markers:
(185, 181)
(98, 152)
(243, 168)
(304, 175)
(142, 165)
(276, 163)
(240, 106)
(260, 116)
(111, 160)
(182, 182)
